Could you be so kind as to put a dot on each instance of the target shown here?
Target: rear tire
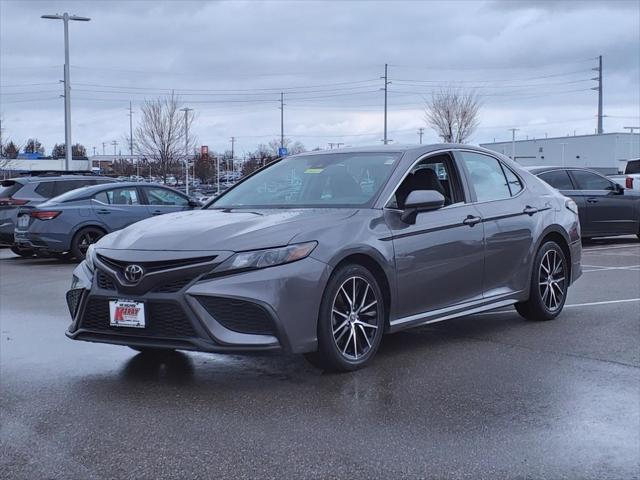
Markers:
(83, 239)
(549, 284)
(351, 320)
(23, 252)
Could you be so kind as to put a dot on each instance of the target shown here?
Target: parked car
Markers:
(324, 266)
(631, 177)
(73, 221)
(33, 190)
(605, 207)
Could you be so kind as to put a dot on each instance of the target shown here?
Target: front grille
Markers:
(163, 319)
(105, 282)
(239, 315)
(73, 300)
(174, 286)
(150, 267)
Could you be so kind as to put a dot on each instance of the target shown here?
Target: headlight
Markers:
(571, 205)
(88, 258)
(267, 258)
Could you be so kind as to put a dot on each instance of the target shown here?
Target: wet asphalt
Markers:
(484, 397)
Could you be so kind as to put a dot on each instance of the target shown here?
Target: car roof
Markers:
(57, 178)
(402, 148)
(547, 168)
(89, 190)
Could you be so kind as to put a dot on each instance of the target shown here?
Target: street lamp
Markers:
(65, 17)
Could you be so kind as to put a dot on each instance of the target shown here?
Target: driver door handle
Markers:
(471, 220)
(103, 211)
(592, 200)
(157, 212)
(530, 210)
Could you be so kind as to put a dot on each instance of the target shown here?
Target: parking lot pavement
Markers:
(487, 396)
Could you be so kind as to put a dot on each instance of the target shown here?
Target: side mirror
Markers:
(421, 201)
(194, 204)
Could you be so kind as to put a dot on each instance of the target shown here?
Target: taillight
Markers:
(45, 214)
(10, 202)
(629, 183)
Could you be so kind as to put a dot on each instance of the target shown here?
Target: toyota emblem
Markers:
(133, 273)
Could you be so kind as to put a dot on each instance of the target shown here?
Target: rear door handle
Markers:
(471, 220)
(530, 210)
(103, 211)
(592, 200)
(157, 212)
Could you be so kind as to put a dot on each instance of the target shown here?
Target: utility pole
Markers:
(513, 143)
(233, 143)
(186, 111)
(420, 133)
(386, 84)
(94, 151)
(631, 129)
(65, 17)
(281, 119)
(131, 139)
(103, 151)
(115, 144)
(599, 89)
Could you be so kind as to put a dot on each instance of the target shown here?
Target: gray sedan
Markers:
(322, 253)
(605, 208)
(69, 223)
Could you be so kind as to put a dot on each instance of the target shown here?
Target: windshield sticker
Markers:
(314, 170)
(389, 162)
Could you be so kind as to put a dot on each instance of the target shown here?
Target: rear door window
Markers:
(64, 186)
(558, 179)
(486, 176)
(46, 189)
(590, 181)
(118, 196)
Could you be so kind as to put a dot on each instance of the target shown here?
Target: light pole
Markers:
(65, 17)
(186, 111)
(513, 143)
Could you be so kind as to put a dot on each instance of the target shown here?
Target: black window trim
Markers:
(472, 189)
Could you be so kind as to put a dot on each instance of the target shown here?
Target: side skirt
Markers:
(456, 311)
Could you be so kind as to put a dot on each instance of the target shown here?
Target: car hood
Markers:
(234, 230)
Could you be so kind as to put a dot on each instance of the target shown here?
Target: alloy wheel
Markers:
(552, 280)
(355, 318)
(87, 239)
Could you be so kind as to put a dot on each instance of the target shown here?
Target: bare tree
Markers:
(33, 145)
(160, 135)
(453, 114)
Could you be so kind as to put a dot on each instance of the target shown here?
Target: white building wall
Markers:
(607, 153)
(21, 164)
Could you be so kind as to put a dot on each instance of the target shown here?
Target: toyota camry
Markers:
(323, 253)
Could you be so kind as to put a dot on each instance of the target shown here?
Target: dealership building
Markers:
(607, 152)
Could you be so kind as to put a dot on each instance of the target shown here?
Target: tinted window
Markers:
(45, 189)
(118, 196)
(63, 186)
(486, 176)
(336, 179)
(515, 185)
(590, 181)
(557, 179)
(8, 188)
(162, 196)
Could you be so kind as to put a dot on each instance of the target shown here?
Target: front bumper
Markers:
(272, 309)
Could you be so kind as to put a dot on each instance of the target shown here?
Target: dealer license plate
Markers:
(126, 313)
(23, 221)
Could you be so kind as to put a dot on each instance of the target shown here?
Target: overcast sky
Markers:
(530, 60)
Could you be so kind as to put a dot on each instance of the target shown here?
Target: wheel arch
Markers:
(372, 264)
(557, 234)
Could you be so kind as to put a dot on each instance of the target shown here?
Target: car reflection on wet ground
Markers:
(486, 396)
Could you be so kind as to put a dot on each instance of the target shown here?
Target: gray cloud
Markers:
(532, 60)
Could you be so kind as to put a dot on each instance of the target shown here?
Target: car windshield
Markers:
(328, 180)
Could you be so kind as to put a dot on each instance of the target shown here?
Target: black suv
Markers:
(33, 190)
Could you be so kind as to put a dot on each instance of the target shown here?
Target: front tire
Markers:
(351, 321)
(549, 284)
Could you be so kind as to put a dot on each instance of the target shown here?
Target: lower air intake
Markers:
(239, 315)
